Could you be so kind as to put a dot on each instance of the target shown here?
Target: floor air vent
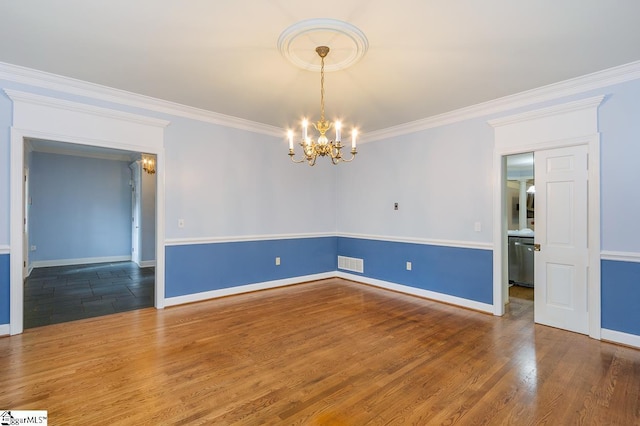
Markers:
(351, 264)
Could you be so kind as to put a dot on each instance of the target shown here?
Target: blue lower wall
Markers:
(621, 296)
(4, 289)
(461, 272)
(196, 268)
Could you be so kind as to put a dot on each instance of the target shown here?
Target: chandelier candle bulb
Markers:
(290, 140)
(304, 129)
(338, 125)
(354, 135)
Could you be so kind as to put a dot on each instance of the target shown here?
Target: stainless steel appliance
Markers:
(521, 261)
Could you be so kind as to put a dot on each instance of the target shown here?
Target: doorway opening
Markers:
(79, 206)
(520, 221)
(553, 246)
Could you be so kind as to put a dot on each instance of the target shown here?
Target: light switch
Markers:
(277, 261)
(180, 223)
(478, 227)
(408, 266)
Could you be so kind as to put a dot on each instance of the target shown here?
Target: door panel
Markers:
(135, 212)
(25, 219)
(561, 265)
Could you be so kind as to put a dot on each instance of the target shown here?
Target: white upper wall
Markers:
(619, 122)
(227, 182)
(440, 178)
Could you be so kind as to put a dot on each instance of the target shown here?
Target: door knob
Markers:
(536, 247)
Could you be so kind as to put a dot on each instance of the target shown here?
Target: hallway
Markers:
(66, 293)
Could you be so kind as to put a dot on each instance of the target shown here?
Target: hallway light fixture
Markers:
(323, 147)
(149, 164)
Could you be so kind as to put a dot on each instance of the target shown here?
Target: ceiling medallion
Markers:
(348, 44)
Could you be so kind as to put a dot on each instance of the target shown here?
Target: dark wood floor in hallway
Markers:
(58, 294)
(326, 352)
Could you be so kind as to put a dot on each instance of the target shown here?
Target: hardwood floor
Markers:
(327, 352)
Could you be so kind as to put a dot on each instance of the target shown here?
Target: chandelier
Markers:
(322, 147)
(148, 164)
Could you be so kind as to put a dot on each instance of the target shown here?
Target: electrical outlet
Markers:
(33, 248)
(478, 226)
(395, 206)
(277, 261)
(408, 266)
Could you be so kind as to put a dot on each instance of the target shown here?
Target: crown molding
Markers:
(593, 81)
(45, 80)
(31, 98)
(592, 102)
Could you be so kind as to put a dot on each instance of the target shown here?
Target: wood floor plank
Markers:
(326, 352)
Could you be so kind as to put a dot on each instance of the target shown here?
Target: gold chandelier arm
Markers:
(334, 152)
(298, 161)
(353, 155)
(312, 160)
(292, 154)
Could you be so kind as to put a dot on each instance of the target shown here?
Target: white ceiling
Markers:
(424, 57)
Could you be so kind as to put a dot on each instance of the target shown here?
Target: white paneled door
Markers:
(25, 221)
(561, 264)
(135, 212)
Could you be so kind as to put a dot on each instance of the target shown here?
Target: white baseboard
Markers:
(147, 263)
(439, 297)
(213, 294)
(619, 337)
(5, 329)
(80, 261)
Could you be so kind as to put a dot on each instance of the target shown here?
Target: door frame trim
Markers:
(42, 117)
(549, 128)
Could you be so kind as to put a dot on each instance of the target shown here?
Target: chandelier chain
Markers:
(322, 88)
